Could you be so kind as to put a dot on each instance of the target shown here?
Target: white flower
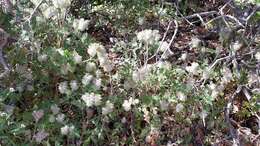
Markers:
(142, 73)
(257, 56)
(227, 75)
(55, 109)
(141, 20)
(164, 105)
(123, 120)
(103, 59)
(108, 67)
(105, 63)
(148, 36)
(95, 48)
(133, 101)
(99, 74)
(90, 67)
(164, 64)
(60, 118)
(65, 130)
(77, 58)
(42, 58)
(97, 99)
(87, 78)
(63, 87)
(41, 135)
(62, 4)
(212, 86)
(11, 89)
(179, 107)
(127, 105)
(80, 24)
(108, 108)
(193, 69)
(51, 118)
(181, 96)
(50, 12)
(214, 93)
(97, 83)
(87, 99)
(74, 85)
(91, 99)
(37, 115)
(83, 24)
(183, 56)
(237, 46)
(195, 42)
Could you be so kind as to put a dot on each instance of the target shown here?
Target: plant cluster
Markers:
(126, 73)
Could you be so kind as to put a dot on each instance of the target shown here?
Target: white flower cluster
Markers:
(61, 4)
(55, 109)
(56, 115)
(64, 88)
(193, 68)
(181, 96)
(60, 118)
(148, 36)
(74, 85)
(91, 99)
(236, 45)
(42, 58)
(99, 50)
(142, 73)
(67, 130)
(91, 67)
(50, 12)
(179, 107)
(257, 56)
(37, 115)
(227, 75)
(40, 136)
(195, 42)
(80, 24)
(77, 58)
(87, 78)
(217, 89)
(108, 108)
(128, 103)
(53, 10)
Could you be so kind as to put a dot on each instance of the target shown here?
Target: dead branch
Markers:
(228, 108)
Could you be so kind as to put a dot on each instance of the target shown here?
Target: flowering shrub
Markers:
(69, 84)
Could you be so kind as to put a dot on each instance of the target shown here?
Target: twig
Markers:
(164, 36)
(218, 60)
(202, 14)
(173, 37)
(177, 9)
(34, 10)
(232, 131)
